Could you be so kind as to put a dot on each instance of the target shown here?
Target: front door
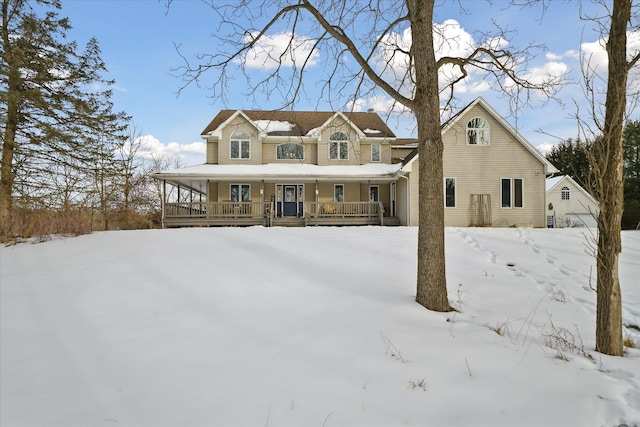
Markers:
(290, 208)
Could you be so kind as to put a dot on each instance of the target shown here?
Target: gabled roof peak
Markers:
(302, 122)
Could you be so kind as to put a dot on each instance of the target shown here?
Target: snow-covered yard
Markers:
(310, 327)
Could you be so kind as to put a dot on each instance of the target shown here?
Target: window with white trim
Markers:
(449, 192)
(338, 146)
(239, 145)
(338, 193)
(290, 151)
(565, 193)
(477, 131)
(511, 192)
(240, 192)
(375, 152)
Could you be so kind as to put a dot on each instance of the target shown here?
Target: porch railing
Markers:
(217, 209)
(322, 211)
(344, 209)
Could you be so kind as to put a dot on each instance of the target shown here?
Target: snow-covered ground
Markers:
(310, 327)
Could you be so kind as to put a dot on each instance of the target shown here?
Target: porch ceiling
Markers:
(195, 177)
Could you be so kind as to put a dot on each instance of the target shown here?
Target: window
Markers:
(374, 193)
(449, 192)
(478, 131)
(240, 144)
(290, 151)
(338, 146)
(240, 192)
(565, 194)
(375, 152)
(512, 192)
(338, 193)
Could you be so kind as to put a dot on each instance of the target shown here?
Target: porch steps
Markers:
(289, 221)
(391, 221)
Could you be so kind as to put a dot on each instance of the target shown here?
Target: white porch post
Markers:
(163, 201)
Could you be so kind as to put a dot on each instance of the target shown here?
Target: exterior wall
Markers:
(323, 144)
(478, 169)
(224, 190)
(212, 152)
(239, 123)
(212, 193)
(269, 151)
(579, 210)
(414, 193)
(365, 151)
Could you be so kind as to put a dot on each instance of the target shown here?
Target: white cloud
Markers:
(545, 148)
(150, 146)
(281, 49)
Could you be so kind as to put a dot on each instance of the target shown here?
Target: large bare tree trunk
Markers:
(431, 281)
(608, 160)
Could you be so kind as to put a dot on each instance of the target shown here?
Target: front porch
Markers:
(208, 214)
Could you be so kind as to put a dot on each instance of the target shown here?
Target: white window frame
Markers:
(512, 193)
(565, 193)
(482, 134)
(455, 193)
(335, 187)
(240, 138)
(379, 157)
(339, 144)
(240, 193)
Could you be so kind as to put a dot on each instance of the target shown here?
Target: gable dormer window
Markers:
(565, 193)
(240, 145)
(477, 131)
(290, 151)
(338, 146)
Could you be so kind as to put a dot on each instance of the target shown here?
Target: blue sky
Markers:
(138, 39)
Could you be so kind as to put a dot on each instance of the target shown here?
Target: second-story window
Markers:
(290, 151)
(478, 131)
(375, 152)
(240, 145)
(565, 194)
(338, 146)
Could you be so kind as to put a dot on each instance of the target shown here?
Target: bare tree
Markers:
(606, 158)
(361, 45)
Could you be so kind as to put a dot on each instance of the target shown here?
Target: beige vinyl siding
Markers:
(384, 194)
(212, 152)
(224, 190)
(212, 194)
(365, 151)
(239, 123)
(323, 144)
(478, 169)
(351, 191)
(270, 153)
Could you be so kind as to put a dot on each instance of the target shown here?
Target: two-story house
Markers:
(313, 168)
(287, 168)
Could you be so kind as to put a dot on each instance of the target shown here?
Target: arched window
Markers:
(290, 151)
(565, 193)
(338, 146)
(478, 131)
(240, 145)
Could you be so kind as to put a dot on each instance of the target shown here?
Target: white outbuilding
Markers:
(569, 205)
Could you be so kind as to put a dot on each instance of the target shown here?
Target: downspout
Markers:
(408, 199)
